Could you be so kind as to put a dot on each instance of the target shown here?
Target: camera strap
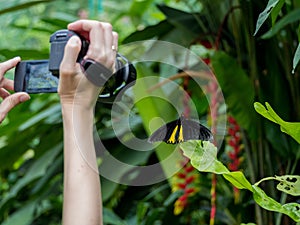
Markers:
(95, 72)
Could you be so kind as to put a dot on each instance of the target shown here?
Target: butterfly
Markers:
(181, 130)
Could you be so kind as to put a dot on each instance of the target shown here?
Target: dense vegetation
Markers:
(252, 47)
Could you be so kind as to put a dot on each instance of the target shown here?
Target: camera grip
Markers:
(19, 78)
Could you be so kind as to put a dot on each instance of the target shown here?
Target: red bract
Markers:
(189, 168)
(181, 185)
(189, 190)
(190, 179)
(234, 141)
(185, 181)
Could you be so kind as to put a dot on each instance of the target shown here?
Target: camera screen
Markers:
(39, 79)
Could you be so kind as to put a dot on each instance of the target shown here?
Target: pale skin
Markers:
(82, 194)
(6, 85)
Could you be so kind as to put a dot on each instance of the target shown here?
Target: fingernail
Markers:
(24, 98)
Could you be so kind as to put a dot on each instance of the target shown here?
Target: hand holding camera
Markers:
(97, 55)
(76, 85)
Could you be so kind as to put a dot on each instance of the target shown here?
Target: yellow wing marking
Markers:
(176, 136)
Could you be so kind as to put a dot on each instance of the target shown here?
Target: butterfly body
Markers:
(181, 130)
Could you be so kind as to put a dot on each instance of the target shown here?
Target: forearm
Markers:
(82, 195)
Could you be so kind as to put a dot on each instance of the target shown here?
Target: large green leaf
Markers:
(237, 89)
(151, 107)
(201, 152)
(291, 128)
(203, 156)
(177, 22)
(188, 23)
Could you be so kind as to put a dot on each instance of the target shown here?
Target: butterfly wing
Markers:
(169, 133)
(192, 130)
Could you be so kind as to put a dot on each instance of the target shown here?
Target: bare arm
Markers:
(82, 194)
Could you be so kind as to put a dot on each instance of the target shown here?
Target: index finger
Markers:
(80, 28)
(89, 29)
(9, 64)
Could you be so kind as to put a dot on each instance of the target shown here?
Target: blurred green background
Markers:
(248, 68)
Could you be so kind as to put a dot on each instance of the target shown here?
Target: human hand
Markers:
(74, 88)
(9, 100)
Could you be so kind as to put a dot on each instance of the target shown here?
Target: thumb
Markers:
(72, 49)
(11, 101)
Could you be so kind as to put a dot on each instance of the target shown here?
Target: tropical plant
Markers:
(247, 67)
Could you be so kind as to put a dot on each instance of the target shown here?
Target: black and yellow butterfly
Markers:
(181, 130)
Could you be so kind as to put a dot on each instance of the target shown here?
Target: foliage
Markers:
(248, 68)
(290, 128)
(204, 159)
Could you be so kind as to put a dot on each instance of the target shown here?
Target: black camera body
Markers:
(42, 76)
(58, 41)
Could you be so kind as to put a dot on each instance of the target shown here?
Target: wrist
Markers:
(77, 114)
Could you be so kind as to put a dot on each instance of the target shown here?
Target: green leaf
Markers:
(238, 179)
(25, 53)
(150, 107)
(53, 110)
(276, 10)
(203, 156)
(291, 128)
(289, 18)
(109, 217)
(157, 30)
(37, 170)
(265, 14)
(296, 58)
(138, 7)
(171, 29)
(289, 184)
(187, 22)
(238, 90)
(23, 216)
(142, 209)
(290, 209)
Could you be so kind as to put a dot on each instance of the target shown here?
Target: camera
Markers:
(42, 76)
